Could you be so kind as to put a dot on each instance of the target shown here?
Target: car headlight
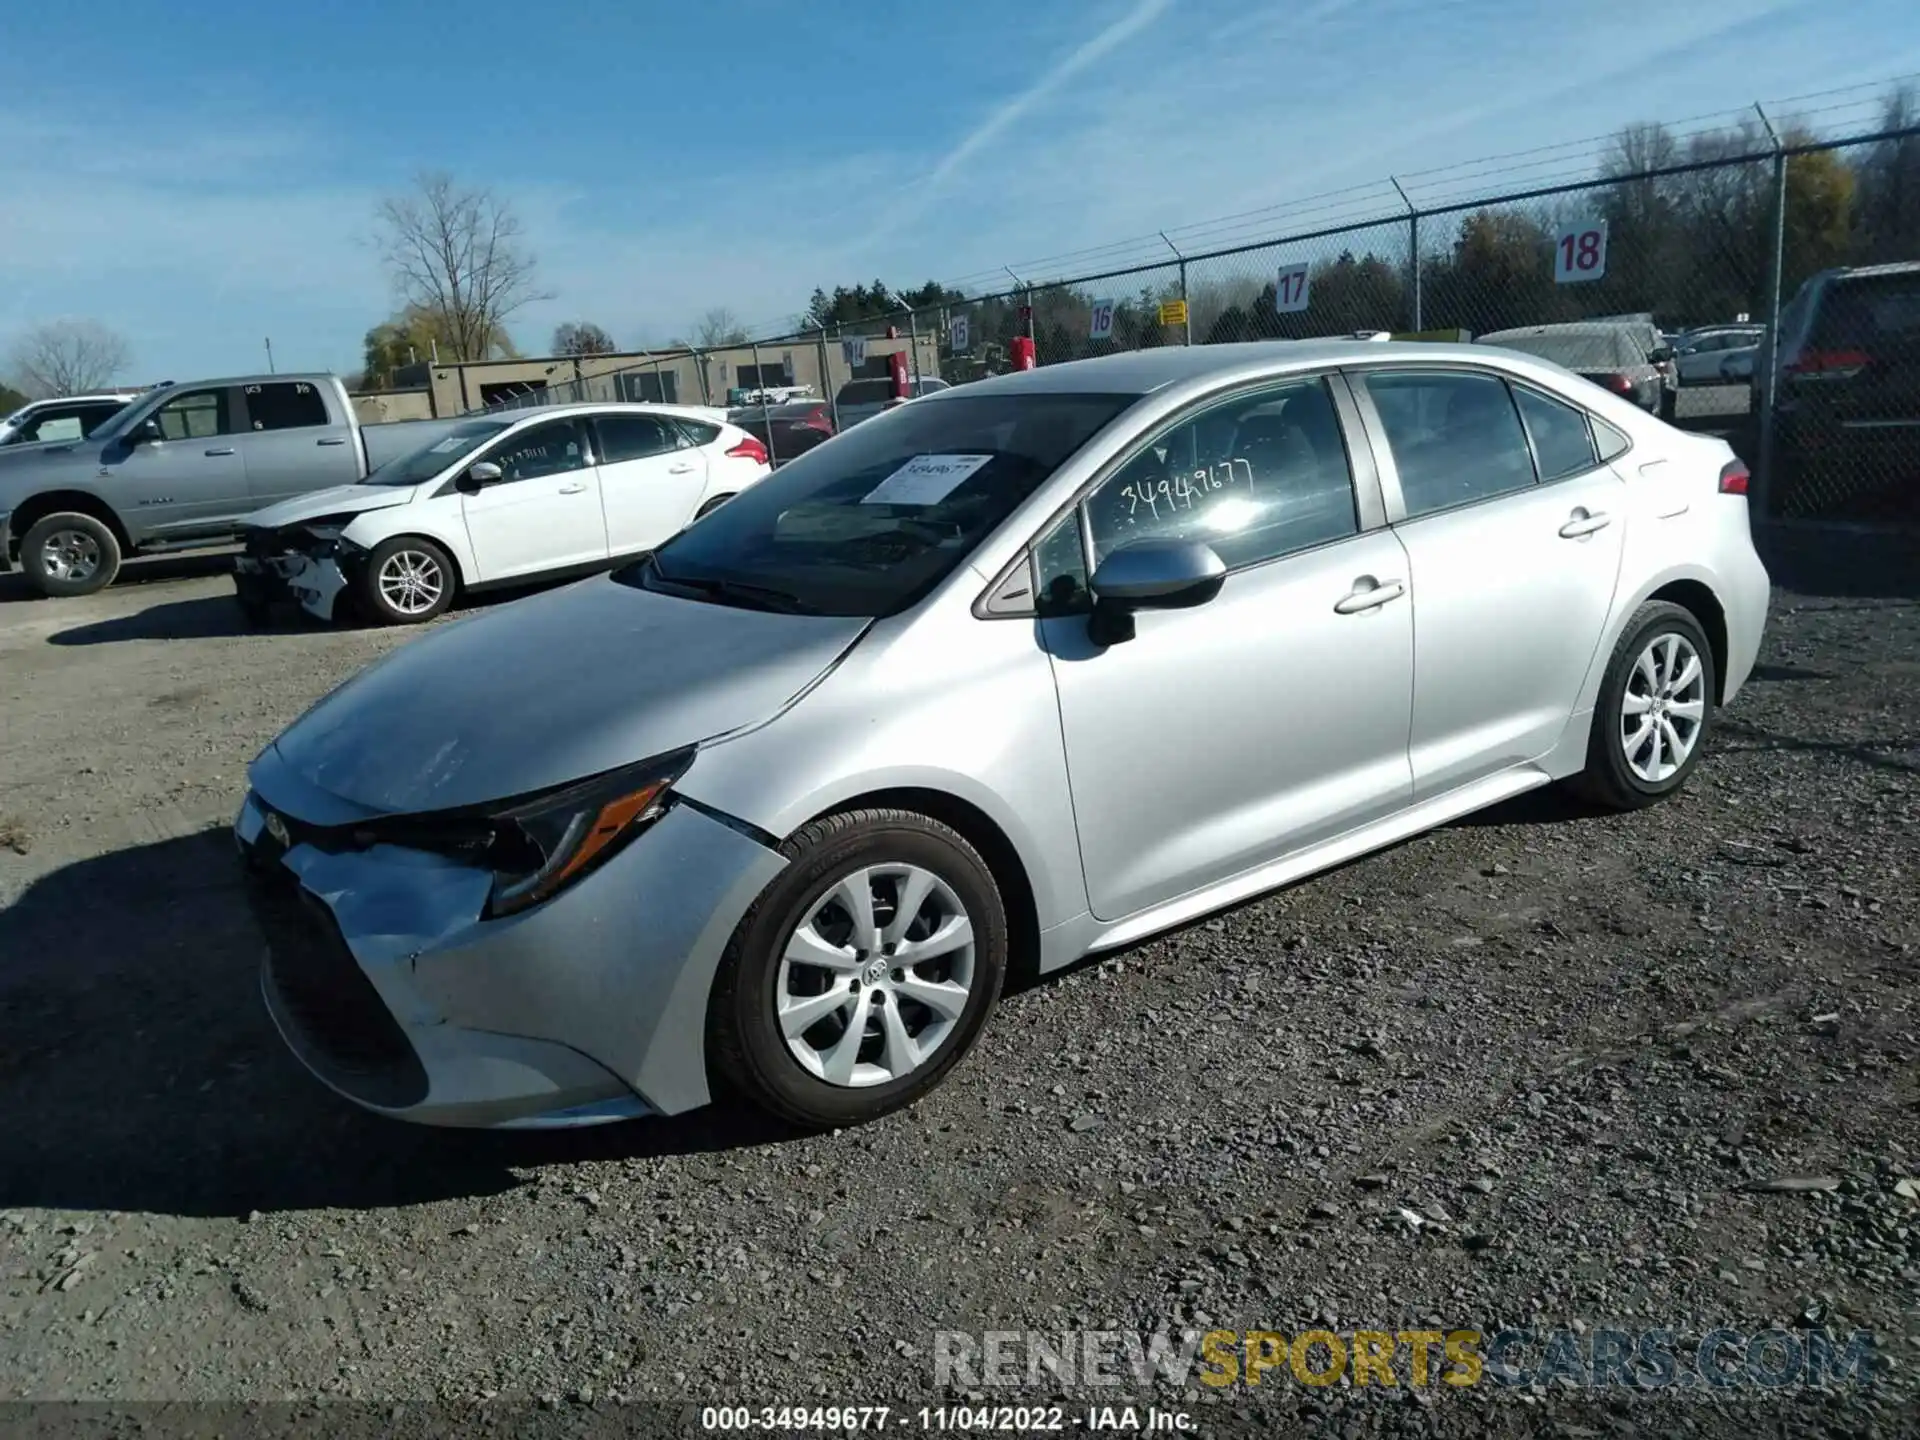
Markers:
(544, 844)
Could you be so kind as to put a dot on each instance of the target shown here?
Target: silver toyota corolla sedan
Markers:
(1031, 668)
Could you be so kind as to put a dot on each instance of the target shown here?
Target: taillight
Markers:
(1618, 384)
(749, 448)
(1733, 478)
(1836, 363)
(819, 420)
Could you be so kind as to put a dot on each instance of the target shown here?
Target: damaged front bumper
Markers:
(275, 570)
(387, 981)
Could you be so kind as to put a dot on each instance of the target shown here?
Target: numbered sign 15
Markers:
(957, 334)
(1102, 328)
(1290, 291)
(1580, 253)
(853, 349)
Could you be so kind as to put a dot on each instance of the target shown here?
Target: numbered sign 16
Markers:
(1102, 320)
(1290, 289)
(957, 335)
(853, 349)
(1580, 253)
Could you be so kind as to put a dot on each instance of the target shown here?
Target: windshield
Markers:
(1576, 349)
(872, 522)
(429, 460)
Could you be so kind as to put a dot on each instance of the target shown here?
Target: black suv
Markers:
(1847, 404)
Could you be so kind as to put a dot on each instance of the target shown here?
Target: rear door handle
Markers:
(571, 489)
(681, 469)
(1584, 524)
(332, 440)
(223, 450)
(1368, 594)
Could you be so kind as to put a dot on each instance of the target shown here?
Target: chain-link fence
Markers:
(1715, 243)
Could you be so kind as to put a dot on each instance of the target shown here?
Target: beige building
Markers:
(675, 377)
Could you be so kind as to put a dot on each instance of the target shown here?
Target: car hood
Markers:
(30, 463)
(339, 500)
(551, 689)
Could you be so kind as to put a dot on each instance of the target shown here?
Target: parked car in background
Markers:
(863, 399)
(1628, 358)
(71, 417)
(177, 468)
(788, 431)
(776, 806)
(1700, 355)
(497, 500)
(1847, 401)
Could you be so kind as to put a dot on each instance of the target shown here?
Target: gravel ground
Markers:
(1520, 1072)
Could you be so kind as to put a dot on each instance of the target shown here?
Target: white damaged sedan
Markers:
(497, 500)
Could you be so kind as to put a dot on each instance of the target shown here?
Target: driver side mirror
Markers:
(146, 432)
(1151, 575)
(1661, 355)
(477, 477)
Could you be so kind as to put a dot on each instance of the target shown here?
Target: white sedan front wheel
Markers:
(406, 580)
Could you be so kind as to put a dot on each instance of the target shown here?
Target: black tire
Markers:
(745, 1045)
(372, 598)
(1609, 778)
(712, 505)
(1669, 404)
(89, 538)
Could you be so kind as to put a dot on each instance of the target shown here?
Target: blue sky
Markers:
(201, 177)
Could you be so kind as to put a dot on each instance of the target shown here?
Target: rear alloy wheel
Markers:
(70, 554)
(712, 505)
(1653, 710)
(406, 580)
(865, 971)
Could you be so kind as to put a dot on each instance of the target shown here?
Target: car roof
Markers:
(709, 413)
(1139, 372)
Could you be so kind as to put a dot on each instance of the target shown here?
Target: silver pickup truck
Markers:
(179, 468)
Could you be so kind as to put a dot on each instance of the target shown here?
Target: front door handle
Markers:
(683, 469)
(222, 450)
(1369, 594)
(1584, 523)
(332, 440)
(571, 489)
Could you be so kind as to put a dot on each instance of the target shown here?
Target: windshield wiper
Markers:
(734, 592)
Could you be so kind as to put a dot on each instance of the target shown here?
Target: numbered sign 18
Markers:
(957, 334)
(1580, 253)
(1102, 327)
(853, 349)
(1290, 291)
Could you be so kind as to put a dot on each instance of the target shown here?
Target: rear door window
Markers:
(1876, 314)
(285, 405)
(1455, 437)
(634, 437)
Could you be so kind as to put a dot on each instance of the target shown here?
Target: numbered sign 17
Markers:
(853, 349)
(1290, 290)
(1102, 328)
(1580, 253)
(957, 336)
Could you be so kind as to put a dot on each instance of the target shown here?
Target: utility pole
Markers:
(270, 369)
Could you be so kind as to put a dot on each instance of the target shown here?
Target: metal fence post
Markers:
(826, 383)
(1776, 261)
(1186, 301)
(913, 340)
(760, 383)
(1413, 251)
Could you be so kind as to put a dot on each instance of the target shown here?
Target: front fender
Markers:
(371, 527)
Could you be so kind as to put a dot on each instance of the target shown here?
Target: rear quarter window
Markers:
(698, 432)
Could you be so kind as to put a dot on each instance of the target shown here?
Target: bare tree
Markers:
(457, 254)
(66, 357)
(582, 337)
(718, 327)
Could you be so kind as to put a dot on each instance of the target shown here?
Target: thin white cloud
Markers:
(1076, 62)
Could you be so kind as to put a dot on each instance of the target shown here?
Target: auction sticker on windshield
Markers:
(924, 480)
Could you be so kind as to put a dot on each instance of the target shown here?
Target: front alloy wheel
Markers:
(407, 580)
(877, 976)
(863, 973)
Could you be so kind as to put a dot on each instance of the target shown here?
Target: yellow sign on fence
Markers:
(1173, 312)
